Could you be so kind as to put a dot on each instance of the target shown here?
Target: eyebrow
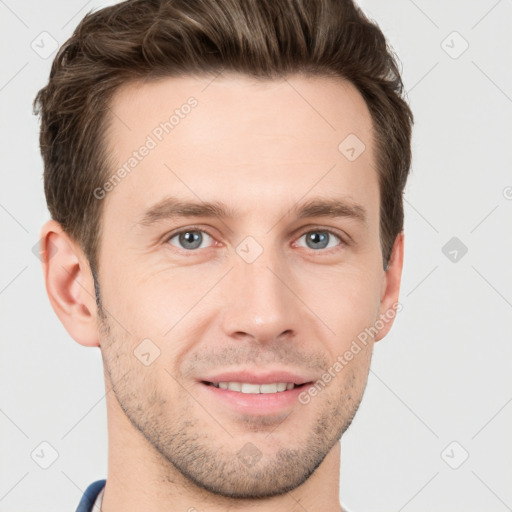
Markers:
(172, 207)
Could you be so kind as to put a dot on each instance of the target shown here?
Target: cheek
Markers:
(347, 300)
(155, 301)
(164, 307)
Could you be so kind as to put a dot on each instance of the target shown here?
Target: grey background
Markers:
(443, 373)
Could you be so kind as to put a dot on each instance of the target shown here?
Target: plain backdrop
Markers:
(433, 430)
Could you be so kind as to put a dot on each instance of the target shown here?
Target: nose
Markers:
(261, 303)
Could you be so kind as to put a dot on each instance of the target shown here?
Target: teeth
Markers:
(249, 388)
(233, 386)
(244, 387)
(270, 388)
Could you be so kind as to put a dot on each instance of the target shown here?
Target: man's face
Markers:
(259, 296)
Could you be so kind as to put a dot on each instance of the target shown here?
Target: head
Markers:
(225, 181)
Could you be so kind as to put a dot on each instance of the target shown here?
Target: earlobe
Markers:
(69, 284)
(389, 304)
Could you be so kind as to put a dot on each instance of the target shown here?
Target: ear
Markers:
(69, 284)
(389, 305)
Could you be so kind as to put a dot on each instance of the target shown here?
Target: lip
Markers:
(256, 404)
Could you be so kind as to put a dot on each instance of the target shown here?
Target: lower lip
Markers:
(255, 403)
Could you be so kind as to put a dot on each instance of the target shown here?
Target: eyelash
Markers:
(342, 243)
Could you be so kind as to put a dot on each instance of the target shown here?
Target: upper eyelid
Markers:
(327, 230)
(167, 237)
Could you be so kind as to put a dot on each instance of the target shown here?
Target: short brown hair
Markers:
(147, 39)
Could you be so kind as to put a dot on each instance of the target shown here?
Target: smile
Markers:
(251, 388)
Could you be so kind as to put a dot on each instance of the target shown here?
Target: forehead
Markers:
(239, 139)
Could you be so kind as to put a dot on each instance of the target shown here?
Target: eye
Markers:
(190, 239)
(321, 239)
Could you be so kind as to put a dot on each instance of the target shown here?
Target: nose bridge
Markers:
(261, 304)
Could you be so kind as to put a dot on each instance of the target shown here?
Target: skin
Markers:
(261, 148)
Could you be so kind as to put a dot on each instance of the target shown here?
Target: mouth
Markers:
(274, 393)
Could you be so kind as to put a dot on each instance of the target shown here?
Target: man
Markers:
(225, 180)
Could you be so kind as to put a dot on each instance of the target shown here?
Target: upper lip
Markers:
(257, 378)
